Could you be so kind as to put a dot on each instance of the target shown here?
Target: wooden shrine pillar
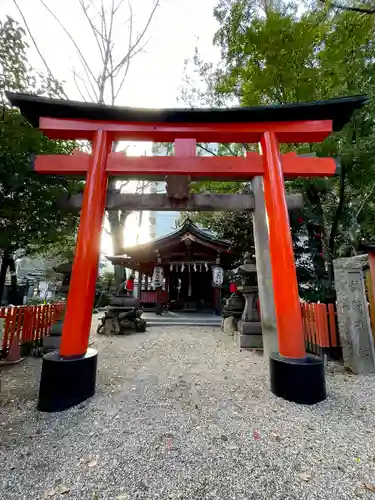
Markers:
(216, 299)
(159, 294)
(140, 279)
(167, 278)
(293, 376)
(59, 389)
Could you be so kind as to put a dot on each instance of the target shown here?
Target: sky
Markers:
(156, 74)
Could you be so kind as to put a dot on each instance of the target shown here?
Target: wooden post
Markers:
(167, 290)
(140, 279)
(264, 272)
(216, 293)
(159, 292)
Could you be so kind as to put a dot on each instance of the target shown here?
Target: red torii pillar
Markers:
(68, 377)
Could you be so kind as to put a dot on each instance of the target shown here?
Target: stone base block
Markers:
(51, 344)
(299, 380)
(56, 328)
(248, 341)
(66, 382)
(250, 328)
(229, 326)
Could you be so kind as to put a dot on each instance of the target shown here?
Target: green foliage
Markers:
(29, 216)
(15, 72)
(37, 301)
(273, 54)
(106, 280)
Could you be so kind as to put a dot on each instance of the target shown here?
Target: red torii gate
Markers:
(69, 377)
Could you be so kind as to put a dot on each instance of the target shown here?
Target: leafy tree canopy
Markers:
(29, 215)
(273, 52)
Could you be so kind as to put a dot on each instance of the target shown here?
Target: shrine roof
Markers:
(338, 110)
(145, 253)
(188, 227)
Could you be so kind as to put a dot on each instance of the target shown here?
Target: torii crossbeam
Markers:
(68, 377)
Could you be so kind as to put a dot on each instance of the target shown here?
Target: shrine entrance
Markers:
(69, 376)
(189, 290)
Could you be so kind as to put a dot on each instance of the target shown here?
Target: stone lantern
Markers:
(249, 326)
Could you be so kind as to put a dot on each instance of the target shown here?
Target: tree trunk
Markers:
(117, 231)
(319, 227)
(13, 291)
(3, 272)
(117, 220)
(335, 225)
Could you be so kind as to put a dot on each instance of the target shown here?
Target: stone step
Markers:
(182, 319)
(183, 323)
(157, 319)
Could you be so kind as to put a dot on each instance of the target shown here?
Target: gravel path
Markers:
(179, 414)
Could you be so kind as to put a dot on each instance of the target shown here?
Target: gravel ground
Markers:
(179, 414)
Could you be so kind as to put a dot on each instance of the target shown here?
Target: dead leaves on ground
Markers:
(370, 487)
(58, 490)
(305, 476)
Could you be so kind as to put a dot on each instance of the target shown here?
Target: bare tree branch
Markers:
(129, 46)
(98, 36)
(206, 149)
(364, 200)
(140, 37)
(75, 76)
(36, 45)
(361, 10)
(112, 80)
(85, 64)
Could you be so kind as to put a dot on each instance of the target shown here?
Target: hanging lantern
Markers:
(217, 275)
(206, 266)
(182, 267)
(195, 266)
(171, 267)
(157, 277)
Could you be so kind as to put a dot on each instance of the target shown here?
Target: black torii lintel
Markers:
(338, 110)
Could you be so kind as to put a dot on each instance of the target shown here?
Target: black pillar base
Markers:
(299, 380)
(66, 382)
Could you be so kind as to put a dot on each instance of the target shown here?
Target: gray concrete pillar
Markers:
(264, 271)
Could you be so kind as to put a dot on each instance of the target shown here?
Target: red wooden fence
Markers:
(320, 329)
(28, 323)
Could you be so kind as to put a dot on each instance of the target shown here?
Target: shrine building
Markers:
(188, 263)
